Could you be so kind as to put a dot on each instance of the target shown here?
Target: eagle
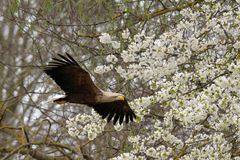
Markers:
(79, 88)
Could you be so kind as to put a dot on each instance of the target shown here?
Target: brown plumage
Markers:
(79, 88)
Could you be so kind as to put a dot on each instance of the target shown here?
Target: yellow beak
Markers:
(121, 98)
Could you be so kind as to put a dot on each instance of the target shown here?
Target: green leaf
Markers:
(14, 6)
(47, 6)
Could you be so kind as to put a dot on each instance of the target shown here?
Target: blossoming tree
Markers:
(192, 74)
(176, 61)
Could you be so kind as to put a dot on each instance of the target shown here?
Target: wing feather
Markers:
(116, 110)
(121, 116)
(116, 118)
(69, 61)
(127, 118)
(71, 58)
(111, 115)
(71, 78)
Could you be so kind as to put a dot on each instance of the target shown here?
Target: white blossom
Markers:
(105, 38)
(151, 152)
(103, 68)
(128, 156)
(111, 59)
(237, 45)
(115, 44)
(125, 34)
(86, 125)
(127, 57)
(118, 127)
(99, 69)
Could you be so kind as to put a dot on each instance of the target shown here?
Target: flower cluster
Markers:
(106, 39)
(86, 125)
(192, 72)
(128, 156)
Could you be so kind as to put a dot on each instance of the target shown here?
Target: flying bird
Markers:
(79, 88)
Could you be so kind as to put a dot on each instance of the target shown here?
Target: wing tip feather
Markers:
(60, 61)
(117, 114)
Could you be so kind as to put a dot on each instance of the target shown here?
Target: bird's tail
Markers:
(61, 100)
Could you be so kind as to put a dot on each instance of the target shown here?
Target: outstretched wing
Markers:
(116, 110)
(71, 78)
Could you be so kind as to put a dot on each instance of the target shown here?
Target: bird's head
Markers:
(114, 96)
